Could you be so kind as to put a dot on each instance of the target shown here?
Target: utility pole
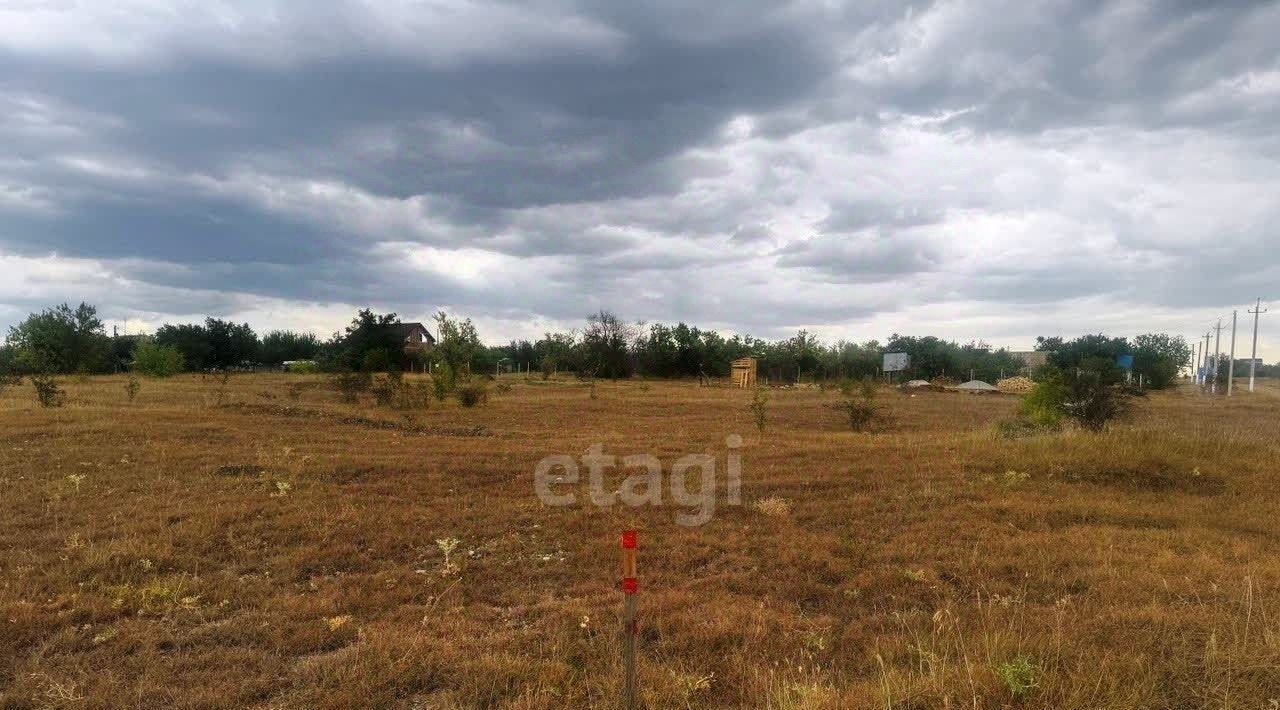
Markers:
(1195, 364)
(1217, 352)
(1231, 366)
(1205, 369)
(1253, 358)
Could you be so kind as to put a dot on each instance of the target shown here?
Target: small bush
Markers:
(859, 411)
(413, 396)
(548, 366)
(386, 388)
(1020, 675)
(758, 400)
(1094, 399)
(156, 360)
(470, 395)
(1042, 406)
(442, 381)
(1091, 397)
(378, 360)
(48, 393)
(131, 388)
(350, 384)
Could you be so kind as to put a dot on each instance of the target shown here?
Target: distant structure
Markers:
(416, 338)
(743, 372)
(1032, 359)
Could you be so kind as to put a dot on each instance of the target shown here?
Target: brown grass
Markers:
(267, 545)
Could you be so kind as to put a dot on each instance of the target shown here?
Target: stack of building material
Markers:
(1017, 385)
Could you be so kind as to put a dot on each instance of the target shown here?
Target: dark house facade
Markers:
(416, 338)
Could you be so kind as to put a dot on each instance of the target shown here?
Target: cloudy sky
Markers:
(971, 169)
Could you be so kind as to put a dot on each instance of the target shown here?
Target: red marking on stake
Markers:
(630, 585)
(629, 539)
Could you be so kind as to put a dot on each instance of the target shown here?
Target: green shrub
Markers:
(859, 411)
(303, 367)
(758, 401)
(1091, 397)
(469, 395)
(378, 360)
(350, 384)
(1043, 405)
(413, 396)
(131, 388)
(1020, 675)
(386, 388)
(442, 381)
(48, 393)
(860, 408)
(150, 358)
(1093, 401)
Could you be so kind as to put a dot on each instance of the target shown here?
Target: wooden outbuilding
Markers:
(743, 373)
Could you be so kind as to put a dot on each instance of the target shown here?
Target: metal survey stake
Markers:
(630, 585)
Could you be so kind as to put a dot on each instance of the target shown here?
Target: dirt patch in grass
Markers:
(1152, 475)
(351, 420)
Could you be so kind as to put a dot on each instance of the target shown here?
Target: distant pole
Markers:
(1253, 357)
(1195, 364)
(1217, 354)
(1231, 365)
(1204, 372)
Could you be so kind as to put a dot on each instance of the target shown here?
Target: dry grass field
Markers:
(262, 544)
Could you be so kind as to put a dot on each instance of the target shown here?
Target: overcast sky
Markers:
(991, 170)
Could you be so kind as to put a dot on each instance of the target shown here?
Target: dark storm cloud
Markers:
(681, 160)
(861, 257)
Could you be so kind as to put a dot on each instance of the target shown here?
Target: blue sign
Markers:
(1124, 362)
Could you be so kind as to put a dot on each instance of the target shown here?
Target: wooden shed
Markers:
(743, 373)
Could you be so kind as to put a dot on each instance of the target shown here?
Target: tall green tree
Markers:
(281, 345)
(191, 340)
(457, 345)
(230, 344)
(372, 337)
(61, 339)
(1159, 357)
(607, 344)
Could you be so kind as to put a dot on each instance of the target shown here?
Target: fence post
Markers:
(630, 585)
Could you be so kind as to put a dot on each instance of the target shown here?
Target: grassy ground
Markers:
(260, 543)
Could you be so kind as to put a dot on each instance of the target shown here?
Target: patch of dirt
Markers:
(302, 413)
(243, 469)
(1152, 477)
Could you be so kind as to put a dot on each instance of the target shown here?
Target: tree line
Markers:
(70, 340)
